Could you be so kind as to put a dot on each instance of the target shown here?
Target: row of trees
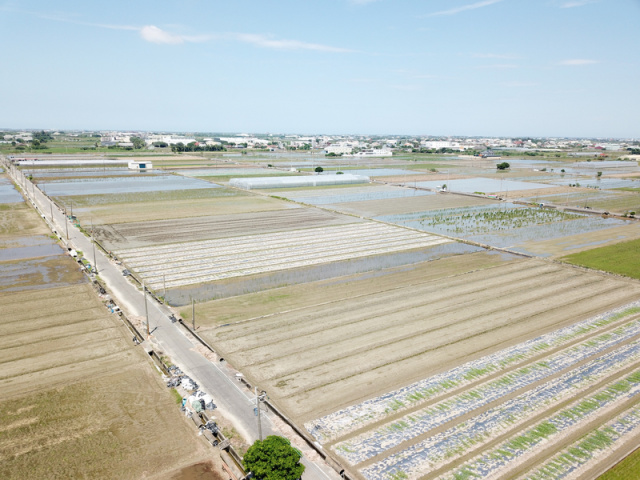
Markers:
(192, 147)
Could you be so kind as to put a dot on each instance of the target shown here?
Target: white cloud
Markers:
(577, 3)
(283, 44)
(577, 62)
(464, 8)
(153, 34)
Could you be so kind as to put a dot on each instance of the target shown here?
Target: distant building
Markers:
(344, 148)
(141, 166)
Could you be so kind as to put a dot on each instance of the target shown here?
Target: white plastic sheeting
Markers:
(297, 181)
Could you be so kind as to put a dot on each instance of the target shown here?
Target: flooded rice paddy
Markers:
(8, 193)
(353, 194)
(502, 225)
(88, 172)
(484, 185)
(28, 247)
(136, 184)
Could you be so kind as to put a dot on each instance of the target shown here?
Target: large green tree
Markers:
(273, 459)
(138, 142)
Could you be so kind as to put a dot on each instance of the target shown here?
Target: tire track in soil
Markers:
(471, 318)
(344, 392)
(374, 300)
(436, 308)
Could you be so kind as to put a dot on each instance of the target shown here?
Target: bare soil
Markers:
(178, 209)
(317, 359)
(132, 235)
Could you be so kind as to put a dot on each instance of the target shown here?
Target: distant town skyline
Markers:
(488, 68)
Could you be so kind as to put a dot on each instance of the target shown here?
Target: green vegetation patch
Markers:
(621, 258)
(625, 470)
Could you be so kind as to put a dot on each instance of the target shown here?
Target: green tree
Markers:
(319, 169)
(273, 459)
(138, 143)
(502, 166)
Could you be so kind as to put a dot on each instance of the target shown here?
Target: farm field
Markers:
(152, 206)
(622, 258)
(149, 233)
(396, 206)
(180, 264)
(78, 399)
(387, 338)
(561, 246)
(413, 355)
(507, 225)
(427, 371)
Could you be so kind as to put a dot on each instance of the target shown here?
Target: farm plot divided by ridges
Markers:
(499, 410)
(78, 399)
(327, 196)
(124, 236)
(317, 360)
(206, 261)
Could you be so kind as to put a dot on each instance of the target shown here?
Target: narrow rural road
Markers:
(233, 401)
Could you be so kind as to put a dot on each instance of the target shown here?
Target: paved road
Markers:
(233, 400)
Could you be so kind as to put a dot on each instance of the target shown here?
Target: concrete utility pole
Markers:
(146, 309)
(93, 246)
(193, 313)
(164, 284)
(66, 223)
(258, 413)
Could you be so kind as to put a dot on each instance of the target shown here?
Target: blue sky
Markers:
(431, 67)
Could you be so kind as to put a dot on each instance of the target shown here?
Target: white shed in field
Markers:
(140, 166)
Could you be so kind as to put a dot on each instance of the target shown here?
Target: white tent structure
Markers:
(297, 181)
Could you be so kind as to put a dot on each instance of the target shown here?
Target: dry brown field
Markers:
(142, 208)
(147, 233)
(78, 399)
(319, 358)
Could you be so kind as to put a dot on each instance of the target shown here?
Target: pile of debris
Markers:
(198, 401)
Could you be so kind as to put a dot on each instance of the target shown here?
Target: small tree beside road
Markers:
(273, 459)
(503, 166)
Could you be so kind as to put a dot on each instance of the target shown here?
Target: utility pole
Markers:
(93, 245)
(164, 284)
(193, 313)
(146, 309)
(258, 413)
(66, 223)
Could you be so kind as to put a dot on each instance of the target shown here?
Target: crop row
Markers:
(415, 424)
(444, 446)
(525, 443)
(253, 242)
(342, 422)
(197, 262)
(586, 449)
